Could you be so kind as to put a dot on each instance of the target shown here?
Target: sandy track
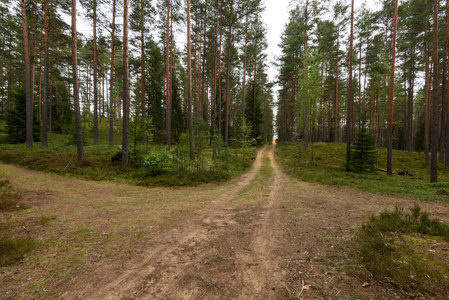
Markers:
(223, 254)
(263, 237)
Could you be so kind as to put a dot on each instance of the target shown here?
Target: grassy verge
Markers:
(70, 233)
(151, 165)
(13, 246)
(327, 167)
(407, 250)
(258, 191)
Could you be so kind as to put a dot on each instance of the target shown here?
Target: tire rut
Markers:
(223, 254)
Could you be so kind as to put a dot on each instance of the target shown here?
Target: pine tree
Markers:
(16, 121)
(363, 152)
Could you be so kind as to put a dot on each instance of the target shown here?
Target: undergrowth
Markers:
(151, 165)
(9, 197)
(408, 250)
(14, 249)
(326, 166)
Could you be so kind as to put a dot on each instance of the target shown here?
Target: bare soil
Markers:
(264, 235)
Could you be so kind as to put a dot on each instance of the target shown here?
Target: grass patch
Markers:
(327, 167)
(150, 165)
(14, 249)
(406, 249)
(257, 192)
(9, 197)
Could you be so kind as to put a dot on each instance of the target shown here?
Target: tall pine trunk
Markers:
(214, 119)
(189, 84)
(336, 120)
(142, 99)
(434, 137)
(427, 98)
(95, 73)
(46, 71)
(228, 75)
(28, 87)
(76, 96)
(442, 140)
(167, 80)
(391, 93)
(111, 80)
(244, 70)
(350, 96)
(447, 100)
(125, 133)
(203, 67)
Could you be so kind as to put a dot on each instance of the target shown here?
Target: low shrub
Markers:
(9, 197)
(406, 249)
(14, 249)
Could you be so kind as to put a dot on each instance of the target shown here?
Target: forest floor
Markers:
(263, 235)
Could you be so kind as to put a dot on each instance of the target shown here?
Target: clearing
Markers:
(263, 235)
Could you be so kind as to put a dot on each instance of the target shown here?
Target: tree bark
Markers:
(125, 133)
(447, 100)
(228, 74)
(167, 74)
(391, 93)
(189, 84)
(350, 96)
(336, 121)
(434, 153)
(46, 71)
(28, 87)
(214, 119)
(111, 82)
(143, 88)
(427, 99)
(203, 67)
(76, 98)
(410, 103)
(442, 140)
(95, 72)
(244, 70)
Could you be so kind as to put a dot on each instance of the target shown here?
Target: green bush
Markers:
(14, 249)
(16, 119)
(394, 246)
(9, 197)
(363, 152)
(157, 163)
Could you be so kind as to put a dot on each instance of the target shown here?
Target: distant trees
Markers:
(28, 84)
(76, 102)
(143, 83)
(375, 86)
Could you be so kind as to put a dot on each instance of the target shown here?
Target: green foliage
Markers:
(151, 164)
(244, 136)
(309, 89)
(155, 87)
(363, 152)
(61, 109)
(254, 114)
(157, 163)
(400, 222)
(14, 249)
(9, 197)
(16, 119)
(384, 251)
(327, 169)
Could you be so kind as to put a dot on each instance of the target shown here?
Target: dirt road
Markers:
(262, 236)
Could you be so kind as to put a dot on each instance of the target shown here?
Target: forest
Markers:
(381, 70)
(147, 152)
(127, 82)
